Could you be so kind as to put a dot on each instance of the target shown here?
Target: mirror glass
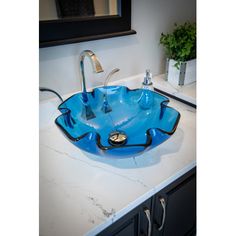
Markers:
(64, 9)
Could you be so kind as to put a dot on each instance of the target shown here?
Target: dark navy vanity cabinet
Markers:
(170, 212)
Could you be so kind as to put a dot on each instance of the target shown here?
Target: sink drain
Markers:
(117, 138)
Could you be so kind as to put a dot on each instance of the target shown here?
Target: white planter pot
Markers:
(186, 74)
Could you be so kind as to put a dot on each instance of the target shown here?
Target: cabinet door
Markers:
(175, 208)
(135, 223)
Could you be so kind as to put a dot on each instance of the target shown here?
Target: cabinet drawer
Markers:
(180, 209)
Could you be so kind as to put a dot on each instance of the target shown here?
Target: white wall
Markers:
(59, 68)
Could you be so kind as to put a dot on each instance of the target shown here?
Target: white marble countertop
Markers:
(186, 92)
(81, 194)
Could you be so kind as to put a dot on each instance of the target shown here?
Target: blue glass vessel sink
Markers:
(139, 119)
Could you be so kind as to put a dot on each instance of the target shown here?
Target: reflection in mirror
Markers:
(58, 9)
(73, 21)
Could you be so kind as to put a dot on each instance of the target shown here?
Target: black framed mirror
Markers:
(70, 24)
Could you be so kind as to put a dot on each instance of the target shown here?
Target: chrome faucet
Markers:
(87, 112)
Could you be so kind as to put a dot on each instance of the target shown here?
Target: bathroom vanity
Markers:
(150, 194)
(171, 211)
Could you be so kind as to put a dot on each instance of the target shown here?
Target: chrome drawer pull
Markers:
(163, 204)
(148, 215)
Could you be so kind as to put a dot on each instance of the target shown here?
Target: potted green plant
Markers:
(180, 48)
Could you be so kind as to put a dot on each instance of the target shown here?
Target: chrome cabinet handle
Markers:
(148, 215)
(163, 204)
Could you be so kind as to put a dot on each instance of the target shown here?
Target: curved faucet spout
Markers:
(87, 112)
(97, 68)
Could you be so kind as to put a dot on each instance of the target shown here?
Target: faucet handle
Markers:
(106, 107)
(110, 75)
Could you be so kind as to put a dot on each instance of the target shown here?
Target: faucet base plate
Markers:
(87, 113)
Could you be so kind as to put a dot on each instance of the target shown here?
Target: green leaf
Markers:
(180, 45)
